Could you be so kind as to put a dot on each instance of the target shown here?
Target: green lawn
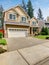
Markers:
(41, 36)
(3, 42)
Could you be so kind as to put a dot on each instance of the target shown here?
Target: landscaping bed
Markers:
(42, 36)
(3, 45)
(2, 50)
(3, 42)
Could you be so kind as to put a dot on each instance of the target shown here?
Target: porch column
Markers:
(32, 31)
(38, 30)
(29, 31)
(5, 31)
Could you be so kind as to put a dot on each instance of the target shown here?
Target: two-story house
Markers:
(16, 22)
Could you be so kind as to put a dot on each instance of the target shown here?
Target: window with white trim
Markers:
(34, 23)
(23, 19)
(12, 16)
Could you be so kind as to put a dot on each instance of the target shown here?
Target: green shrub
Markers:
(3, 42)
(1, 35)
(44, 31)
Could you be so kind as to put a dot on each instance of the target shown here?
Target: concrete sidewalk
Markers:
(12, 58)
(35, 54)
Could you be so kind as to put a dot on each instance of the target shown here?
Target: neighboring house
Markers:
(41, 24)
(34, 28)
(47, 24)
(47, 18)
(16, 22)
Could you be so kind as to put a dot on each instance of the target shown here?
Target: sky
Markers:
(43, 4)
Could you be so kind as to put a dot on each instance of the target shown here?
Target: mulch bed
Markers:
(2, 50)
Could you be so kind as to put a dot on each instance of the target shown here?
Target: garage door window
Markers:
(17, 30)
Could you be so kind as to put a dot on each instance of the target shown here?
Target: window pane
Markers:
(14, 17)
(24, 19)
(34, 23)
(10, 16)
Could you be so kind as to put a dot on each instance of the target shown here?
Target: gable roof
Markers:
(20, 8)
(33, 18)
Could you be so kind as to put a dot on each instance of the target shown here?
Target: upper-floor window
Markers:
(23, 19)
(34, 23)
(12, 16)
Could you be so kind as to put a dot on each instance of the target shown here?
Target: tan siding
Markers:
(33, 20)
(15, 10)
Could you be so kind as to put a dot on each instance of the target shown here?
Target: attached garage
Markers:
(16, 32)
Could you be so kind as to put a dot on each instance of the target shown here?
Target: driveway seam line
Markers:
(23, 57)
(42, 61)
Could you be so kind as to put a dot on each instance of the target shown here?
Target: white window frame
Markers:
(12, 14)
(23, 21)
(34, 23)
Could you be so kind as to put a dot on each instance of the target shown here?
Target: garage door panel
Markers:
(19, 33)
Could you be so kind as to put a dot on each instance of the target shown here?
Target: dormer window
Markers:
(23, 19)
(12, 16)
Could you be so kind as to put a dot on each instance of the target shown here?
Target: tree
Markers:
(1, 17)
(1, 11)
(1, 8)
(30, 9)
(40, 14)
(24, 5)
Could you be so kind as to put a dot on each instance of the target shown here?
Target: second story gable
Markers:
(33, 22)
(16, 14)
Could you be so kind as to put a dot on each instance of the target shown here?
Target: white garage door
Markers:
(17, 32)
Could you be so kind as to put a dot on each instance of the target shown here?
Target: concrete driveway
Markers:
(37, 54)
(19, 43)
(26, 51)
